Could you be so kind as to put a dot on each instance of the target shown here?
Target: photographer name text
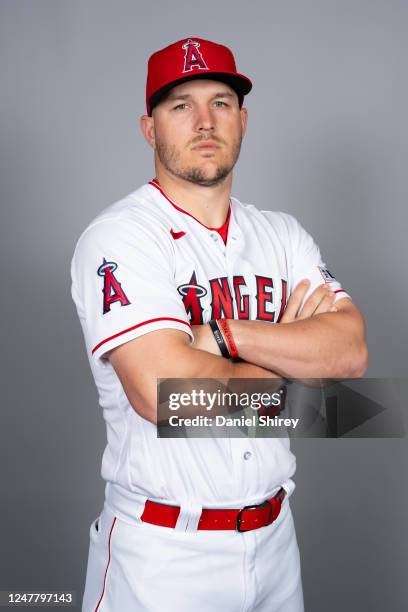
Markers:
(223, 421)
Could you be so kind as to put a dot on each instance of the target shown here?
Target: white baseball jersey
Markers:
(146, 264)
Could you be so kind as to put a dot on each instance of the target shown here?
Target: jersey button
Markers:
(247, 455)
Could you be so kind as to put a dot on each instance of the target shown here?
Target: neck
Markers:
(207, 204)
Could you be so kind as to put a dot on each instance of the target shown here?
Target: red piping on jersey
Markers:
(106, 570)
(135, 327)
(156, 184)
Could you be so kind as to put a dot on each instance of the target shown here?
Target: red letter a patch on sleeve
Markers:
(112, 290)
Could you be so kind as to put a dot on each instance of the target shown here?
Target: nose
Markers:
(204, 120)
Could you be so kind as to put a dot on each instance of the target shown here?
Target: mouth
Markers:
(207, 146)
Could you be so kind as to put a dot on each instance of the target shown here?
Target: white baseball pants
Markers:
(145, 568)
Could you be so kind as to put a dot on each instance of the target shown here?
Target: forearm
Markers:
(204, 341)
(329, 345)
(190, 363)
(165, 359)
(217, 375)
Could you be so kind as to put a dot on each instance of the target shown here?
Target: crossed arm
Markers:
(317, 340)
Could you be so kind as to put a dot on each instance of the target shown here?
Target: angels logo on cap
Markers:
(193, 57)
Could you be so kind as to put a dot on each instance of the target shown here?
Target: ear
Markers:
(244, 119)
(147, 127)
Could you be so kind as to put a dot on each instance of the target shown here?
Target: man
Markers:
(149, 275)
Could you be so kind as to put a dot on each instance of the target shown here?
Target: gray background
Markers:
(326, 142)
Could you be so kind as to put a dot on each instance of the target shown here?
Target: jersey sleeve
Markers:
(123, 284)
(306, 261)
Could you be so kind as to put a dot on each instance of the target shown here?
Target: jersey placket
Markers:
(242, 450)
(245, 464)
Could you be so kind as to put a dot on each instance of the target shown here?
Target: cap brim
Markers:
(239, 83)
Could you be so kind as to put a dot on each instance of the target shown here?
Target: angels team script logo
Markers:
(229, 296)
(112, 289)
(193, 57)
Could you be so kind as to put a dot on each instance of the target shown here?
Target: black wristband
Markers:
(219, 338)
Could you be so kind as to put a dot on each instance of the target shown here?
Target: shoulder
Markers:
(130, 221)
(284, 223)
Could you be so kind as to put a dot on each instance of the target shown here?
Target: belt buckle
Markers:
(253, 507)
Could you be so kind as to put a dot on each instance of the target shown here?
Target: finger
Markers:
(313, 302)
(326, 304)
(295, 301)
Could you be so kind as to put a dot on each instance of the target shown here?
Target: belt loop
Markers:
(289, 487)
(189, 516)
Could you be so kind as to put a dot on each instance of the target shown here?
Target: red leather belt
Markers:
(243, 519)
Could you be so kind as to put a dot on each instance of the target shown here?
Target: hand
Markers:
(321, 300)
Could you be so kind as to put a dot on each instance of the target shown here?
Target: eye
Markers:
(220, 103)
(180, 106)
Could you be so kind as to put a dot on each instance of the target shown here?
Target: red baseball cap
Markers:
(192, 58)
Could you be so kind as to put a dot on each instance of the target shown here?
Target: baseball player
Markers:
(175, 280)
